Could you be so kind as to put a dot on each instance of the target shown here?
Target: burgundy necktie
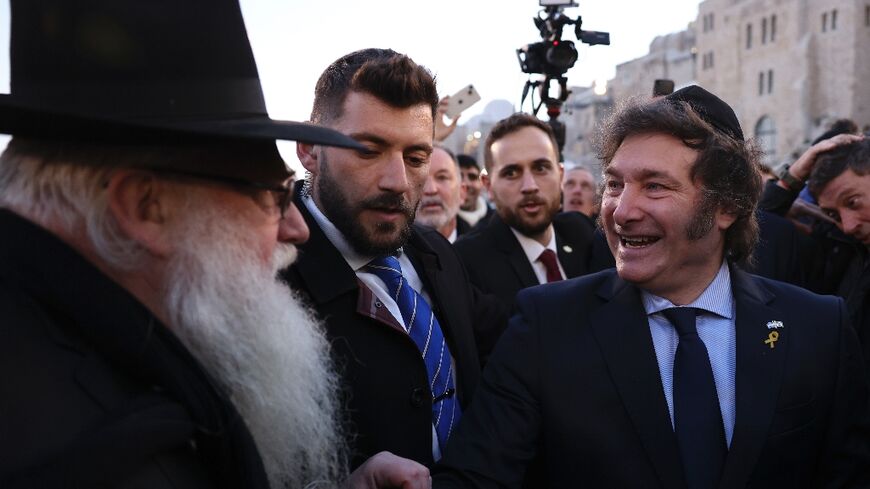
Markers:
(548, 258)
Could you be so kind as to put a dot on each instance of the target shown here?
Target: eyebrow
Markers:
(643, 174)
(373, 138)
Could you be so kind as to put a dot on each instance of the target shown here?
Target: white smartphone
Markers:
(461, 100)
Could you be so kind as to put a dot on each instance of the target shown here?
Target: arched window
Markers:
(765, 134)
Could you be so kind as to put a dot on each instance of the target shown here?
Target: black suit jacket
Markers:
(497, 264)
(575, 381)
(384, 377)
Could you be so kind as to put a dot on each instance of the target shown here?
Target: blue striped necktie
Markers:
(422, 326)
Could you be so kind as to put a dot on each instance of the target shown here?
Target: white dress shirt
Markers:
(533, 251)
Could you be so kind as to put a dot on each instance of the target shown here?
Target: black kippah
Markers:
(711, 108)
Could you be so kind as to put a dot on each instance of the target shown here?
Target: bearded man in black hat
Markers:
(145, 212)
(676, 369)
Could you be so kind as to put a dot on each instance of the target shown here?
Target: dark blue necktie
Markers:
(697, 417)
(422, 326)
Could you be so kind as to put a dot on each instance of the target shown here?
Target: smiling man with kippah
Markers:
(675, 369)
(145, 212)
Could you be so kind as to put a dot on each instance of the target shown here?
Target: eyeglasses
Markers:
(282, 194)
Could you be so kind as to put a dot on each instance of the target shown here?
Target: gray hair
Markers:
(40, 184)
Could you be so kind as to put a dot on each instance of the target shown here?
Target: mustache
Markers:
(389, 201)
(432, 201)
(532, 200)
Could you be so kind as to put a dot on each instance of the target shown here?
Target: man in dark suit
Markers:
(527, 242)
(378, 281)
(675, 370)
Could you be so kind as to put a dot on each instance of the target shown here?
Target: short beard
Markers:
(439, 220)
(512, 218)
(345, 216)
(262, 345)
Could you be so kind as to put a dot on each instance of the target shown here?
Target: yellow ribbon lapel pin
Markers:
(773, 335)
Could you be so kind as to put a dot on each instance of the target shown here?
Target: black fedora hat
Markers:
(141, 72)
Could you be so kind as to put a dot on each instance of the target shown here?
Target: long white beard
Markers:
(259, 341)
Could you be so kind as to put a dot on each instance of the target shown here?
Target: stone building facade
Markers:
(671, 56)
(788, 67)
(585, 108)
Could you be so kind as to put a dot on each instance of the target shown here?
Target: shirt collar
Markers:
(716, 298)
(355, 260)
(532, 248)
(453, 235)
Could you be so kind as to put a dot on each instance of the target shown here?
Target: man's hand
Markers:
(385, 470)
(442, 130)
(802, 168)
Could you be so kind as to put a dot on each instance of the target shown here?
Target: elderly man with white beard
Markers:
(145, 212)
(443, 192)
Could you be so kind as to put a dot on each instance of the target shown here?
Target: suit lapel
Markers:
(758, 378)
(622, 330)
(574, 233)
(507, 243)
(571, 259)
(428, 268)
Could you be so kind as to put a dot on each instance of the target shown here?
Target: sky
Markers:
(461, 41)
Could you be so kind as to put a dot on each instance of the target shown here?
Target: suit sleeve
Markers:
(846, 460)
(498, 436)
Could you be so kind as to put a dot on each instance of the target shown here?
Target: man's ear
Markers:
(484, 178)
(724, 218)
(308, 155)
(138, 202)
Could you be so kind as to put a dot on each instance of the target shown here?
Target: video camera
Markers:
(553, 57)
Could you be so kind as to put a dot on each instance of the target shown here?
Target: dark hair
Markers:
(840, 126)
(467, 161)
(726, 167)
(830, 164)
(511, 125)
(391, 77)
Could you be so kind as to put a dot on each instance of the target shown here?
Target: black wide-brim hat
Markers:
(145, 72)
